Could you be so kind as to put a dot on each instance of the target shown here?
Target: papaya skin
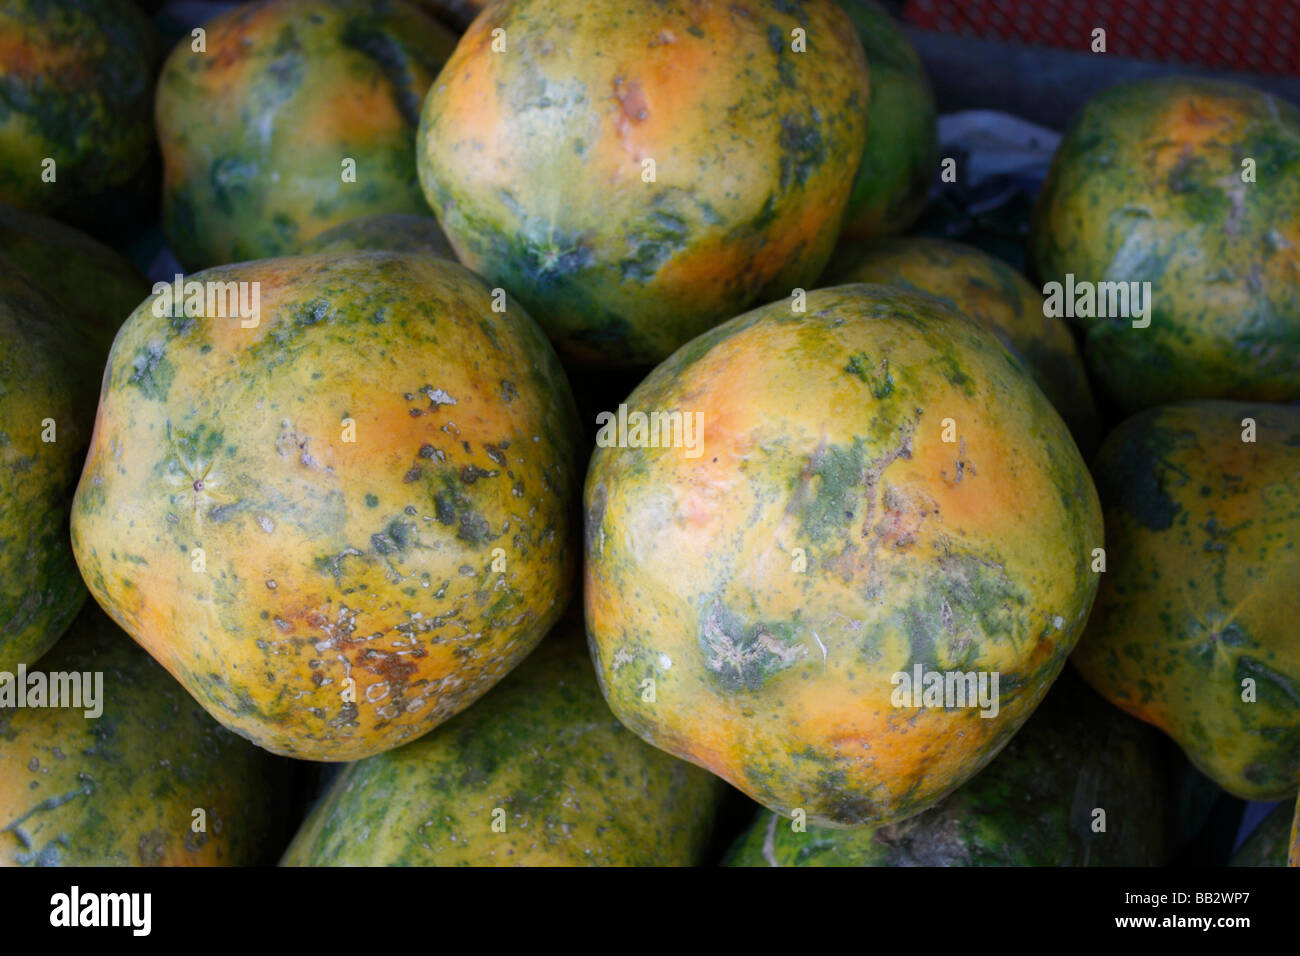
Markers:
(1147, 186)
(827, 538)
(541, 755)
(1293, 857)
(380, 476)
(1202, 586)
(255, 131)
(121, 789)
(997, 297)
(77, 78)
(535, 162)
(1269, 842)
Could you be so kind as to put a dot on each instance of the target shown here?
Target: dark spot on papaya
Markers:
(371, 501)
(802, 149)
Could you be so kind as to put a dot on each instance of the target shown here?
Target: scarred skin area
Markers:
(997, 297)
(902, 154)
(121, 789)
(535, 161)
(1202, 587)
(390, 232)
(1147, 186)
(255, 130)
(1034, 805)
(353, 593)
(76, 86)
(542, 756)
(823, 444)
(40, 389)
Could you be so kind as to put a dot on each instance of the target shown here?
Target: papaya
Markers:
(1192, 627)
(538, 773)
(77, 81)
(1191, 186)
(636, 173)
(390, 232)
(901, 157)
(142, 777)
(1269, 842)
(95, 287)
(860, 499)
(46, 406)
(994, 295)
(339, 517)
(295, 116)
(1082, 784)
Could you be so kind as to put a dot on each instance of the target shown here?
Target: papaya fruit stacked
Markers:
(856, 501)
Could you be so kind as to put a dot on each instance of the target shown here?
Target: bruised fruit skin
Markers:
(96, 288)
(380, 475)
(536, 161)
(576, 788)
(76, 86)
(45, 413)
(1147, 186)
(1034, 805)
(827, 538)
(390, 232)
(997, 297)
(1197, 607)
(121, 789)
(255, 131)
(1268, 843)
(902, 152)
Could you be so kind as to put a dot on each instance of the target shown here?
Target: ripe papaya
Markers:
(1192, 630)
(77, 82)
(150, 781)
(1191, 185)
(538, 773)
(295, 116)
(341, 520)
(872, 487)
(636, 173)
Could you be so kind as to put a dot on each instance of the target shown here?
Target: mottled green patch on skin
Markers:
(1268, 842)
(837, 476)
(152, 373)
(875, 375)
